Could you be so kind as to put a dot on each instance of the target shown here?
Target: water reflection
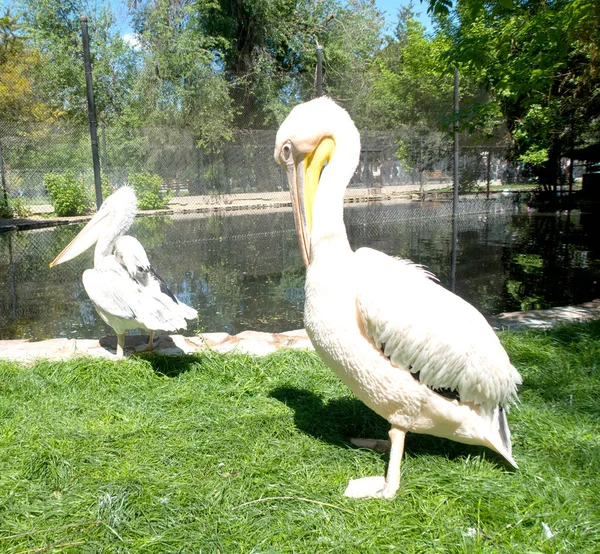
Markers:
(244, 271)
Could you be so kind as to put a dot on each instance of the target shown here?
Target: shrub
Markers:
(18, 207)
(5, 209)
(70, 196)
(15, 206)
(147, 187)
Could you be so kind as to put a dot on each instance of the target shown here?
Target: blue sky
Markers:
(390, 7)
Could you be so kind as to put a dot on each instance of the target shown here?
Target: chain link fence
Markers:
(225, 239)
(241, 173)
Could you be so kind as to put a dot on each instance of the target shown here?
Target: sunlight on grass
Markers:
(170, 454)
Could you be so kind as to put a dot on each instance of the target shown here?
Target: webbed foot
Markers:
(368, 487)
(380, 487)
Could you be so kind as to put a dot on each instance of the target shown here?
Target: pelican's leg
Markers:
(120, 345)
(392, 480)
(382, 487)
(150, 341)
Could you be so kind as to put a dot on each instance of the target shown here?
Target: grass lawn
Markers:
(229, 453)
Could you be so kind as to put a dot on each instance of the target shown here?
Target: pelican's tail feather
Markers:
(186, 311)
(498, 436)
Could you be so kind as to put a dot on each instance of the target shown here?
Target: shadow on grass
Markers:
(341, 419)
(170, 365)
(136, 344)
(335, 421)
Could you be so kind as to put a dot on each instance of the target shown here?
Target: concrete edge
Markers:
(255, 343)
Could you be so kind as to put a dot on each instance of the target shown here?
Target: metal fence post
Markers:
(199, 189)
(91, 109)
(488, 172)
(421, 190)
(455, 179)
(3, 177)
(456, 161)
(366, 159)
(319, 70)
(104, 157)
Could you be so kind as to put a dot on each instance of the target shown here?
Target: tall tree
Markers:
(180, 80)
(415, 81)
(264, 50)
(19, 100)
(54, 28)
(351, 40)
(540, 61)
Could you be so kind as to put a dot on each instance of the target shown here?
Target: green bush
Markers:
(18, 207)
(5, 209)
(147, 188)
(15, 206)
(69, 194)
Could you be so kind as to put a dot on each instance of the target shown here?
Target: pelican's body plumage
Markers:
(125, 289)
(415, 353)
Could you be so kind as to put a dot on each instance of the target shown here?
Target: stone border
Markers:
(544, 319)
(254, 343)
(248, 342)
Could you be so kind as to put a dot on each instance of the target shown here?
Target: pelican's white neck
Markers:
(121, 207)
(328, 229)
(106, 244)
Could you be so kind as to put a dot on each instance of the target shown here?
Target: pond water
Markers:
(244, 271)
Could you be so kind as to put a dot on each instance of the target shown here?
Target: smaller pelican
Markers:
(126, 291)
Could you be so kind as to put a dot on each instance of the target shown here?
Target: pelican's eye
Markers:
(286, 151)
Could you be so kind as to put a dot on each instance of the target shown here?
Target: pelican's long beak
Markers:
(86, 237)
(304, 174)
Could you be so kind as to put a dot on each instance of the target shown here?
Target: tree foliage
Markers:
(54, 28)
(179, 80)
(414, 84)
(19, 100)
(540, 61)
(248, 59)
(209, 66)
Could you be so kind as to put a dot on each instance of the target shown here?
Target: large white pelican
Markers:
(412, 351)
(126, 291)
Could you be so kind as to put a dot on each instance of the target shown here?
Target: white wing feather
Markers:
(105, 291)
(113, 291)
(131, 255)
(422, 327)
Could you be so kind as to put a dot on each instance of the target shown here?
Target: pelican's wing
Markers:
(113, 290)
(108, 293)
(420, 326)
(131, 255)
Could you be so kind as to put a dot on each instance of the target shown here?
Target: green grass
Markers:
(168, 454)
